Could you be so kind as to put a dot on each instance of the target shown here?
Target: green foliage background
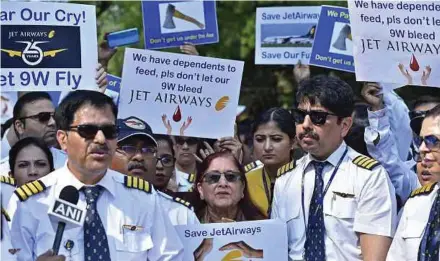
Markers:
(263, 86)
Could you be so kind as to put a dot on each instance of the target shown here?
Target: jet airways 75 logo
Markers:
(40, 46)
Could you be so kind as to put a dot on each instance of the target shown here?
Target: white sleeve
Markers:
(274, 209)
(382, 146)
(167, 245)
(376, 212)
(23, 231)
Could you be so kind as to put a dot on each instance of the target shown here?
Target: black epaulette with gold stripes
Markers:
(29, 189)
(137, 183)
(286, 168)
(6, 215)
(251, 166)
(192, 178)
(183, 202)
(423, 190)
(366, 162)
(8, 180)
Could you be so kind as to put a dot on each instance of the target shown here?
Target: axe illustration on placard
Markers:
(343, 34)
(172, 12)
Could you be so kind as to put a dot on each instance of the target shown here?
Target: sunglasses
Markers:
(317, 117)
(42, 117)
(166, 160)
(214, 177)
(416, 114)
(132, 150)
(189, 141)
(432, 142)
(89, 131)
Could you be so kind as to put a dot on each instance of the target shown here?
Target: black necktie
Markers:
(315, 234)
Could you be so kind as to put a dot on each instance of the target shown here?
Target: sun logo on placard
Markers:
(221, 103)
(234, 255)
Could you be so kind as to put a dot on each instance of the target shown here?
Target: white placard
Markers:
(261, 240)
(285, 35)
(180, 94)
(396, 41)
(48, 46)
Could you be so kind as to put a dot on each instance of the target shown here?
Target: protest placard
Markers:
(47, 46)
(171, 23)
(236, 241)
(333, 47)
(113, 87)
(181, 94)
(396, 41)
(285, 35)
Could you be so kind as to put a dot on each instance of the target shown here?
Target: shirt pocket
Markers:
(134, 241)
(294, 220)
(342, 205)
(412, 235)
(70, 240)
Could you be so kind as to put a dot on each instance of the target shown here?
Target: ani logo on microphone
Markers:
(40, 46)
(68, 211)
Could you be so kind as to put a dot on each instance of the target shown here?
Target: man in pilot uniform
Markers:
(337, 203)
(116, 226)
(417, 237)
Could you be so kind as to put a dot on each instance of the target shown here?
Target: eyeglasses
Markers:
(42, 117)
(432, 142)
(416, 114)
(166, 160)
(89, 131)
(214, 177)
(189, 141)
(132, 150)
(317, 117)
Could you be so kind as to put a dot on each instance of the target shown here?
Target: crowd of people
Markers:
(352, 181)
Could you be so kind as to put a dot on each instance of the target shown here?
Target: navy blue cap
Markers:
(133, 126)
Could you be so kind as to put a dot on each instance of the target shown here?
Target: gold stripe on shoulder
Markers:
(192, 178)
(365, 162)
(425, 190)
(137, 183)
(183, 202)
(29, 189)
(7, 180)
(250, 166)
(5, 213)
(286, 168)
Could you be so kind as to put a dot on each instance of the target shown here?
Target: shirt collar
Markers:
(69, 179)
(333, 159)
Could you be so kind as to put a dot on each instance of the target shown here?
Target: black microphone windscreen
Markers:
(70, 194)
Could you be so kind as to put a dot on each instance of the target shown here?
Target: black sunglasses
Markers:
(214, 177)
(166, 160)
(416, 114)
(42, 117)
(317, 117)
(132, 150)
(432, 142)
(189, 141)
(89, 131)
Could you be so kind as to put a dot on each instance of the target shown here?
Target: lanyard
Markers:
(325, 190)
(268, 192)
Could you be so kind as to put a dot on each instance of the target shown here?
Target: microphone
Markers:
(64, 210)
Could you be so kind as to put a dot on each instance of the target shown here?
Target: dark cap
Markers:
(132, 126)
(416, 119)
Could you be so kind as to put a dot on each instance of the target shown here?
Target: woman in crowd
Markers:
(29, 160)
(165, 163)
(274, 141)
(222, 191)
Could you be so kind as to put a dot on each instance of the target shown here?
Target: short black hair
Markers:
(425, 99)
(25, 99)
(434, 112)
(167, 139)
(6, 126)
(25, 142)
(281, 117)
(332, 93)
(65, 112)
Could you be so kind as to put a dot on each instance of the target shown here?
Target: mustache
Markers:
(136, 165)
(310, 134)
(100, 149)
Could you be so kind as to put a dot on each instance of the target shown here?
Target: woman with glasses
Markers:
(29, 160)
(164, 164)
(274, 139)
(222, 191)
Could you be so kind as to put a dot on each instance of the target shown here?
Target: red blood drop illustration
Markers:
(177, 116)
(414, 65)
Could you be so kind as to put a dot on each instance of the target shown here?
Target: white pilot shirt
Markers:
(178, 213)
(7, 251)
(183, 181)
(409, 234)
(33, 232)
(358, 200)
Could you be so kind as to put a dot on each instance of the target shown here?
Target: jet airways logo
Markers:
(32, 55)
